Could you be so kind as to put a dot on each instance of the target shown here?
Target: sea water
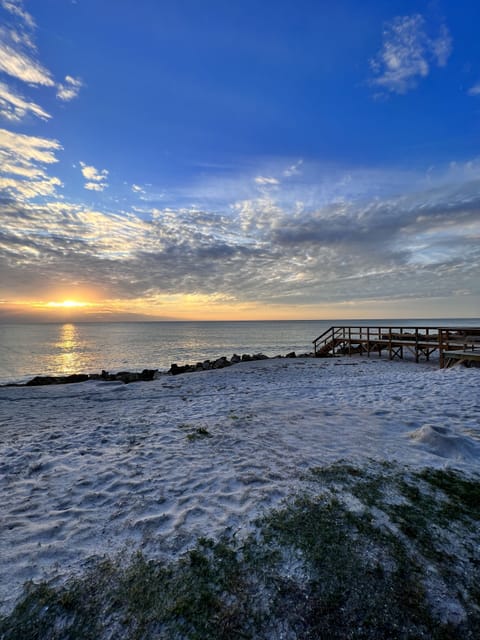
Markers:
(27, 350)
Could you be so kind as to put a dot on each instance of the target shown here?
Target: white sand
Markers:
(95, 468)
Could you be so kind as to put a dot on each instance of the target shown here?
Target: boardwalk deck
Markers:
(397, 341)
(461, 357)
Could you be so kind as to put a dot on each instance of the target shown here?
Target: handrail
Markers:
(395, 338)
(323, 334)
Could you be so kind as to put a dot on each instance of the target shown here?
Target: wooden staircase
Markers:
(327, 347)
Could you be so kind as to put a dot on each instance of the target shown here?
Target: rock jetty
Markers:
(222, 362)
(151, 374)
(121, 376)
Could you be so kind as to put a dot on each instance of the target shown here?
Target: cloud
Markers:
(96, 179)
(16, 59)
(14, 107)
(16, 8)
(142, 193)
(266, 181)
(475, 90)
(408, 53)
(95, 186)
(21, 158)
(421, 243)
(69, 89)
(293, 170)
(19, 60)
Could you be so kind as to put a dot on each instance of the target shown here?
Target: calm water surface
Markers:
(27, 350)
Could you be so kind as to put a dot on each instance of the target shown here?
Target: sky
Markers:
(207, 160)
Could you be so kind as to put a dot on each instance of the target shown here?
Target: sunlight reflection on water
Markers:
(61, 349)
(67, 359)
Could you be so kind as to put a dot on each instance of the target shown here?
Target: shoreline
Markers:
(147, 375)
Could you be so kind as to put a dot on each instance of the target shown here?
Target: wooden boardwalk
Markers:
(452, 344)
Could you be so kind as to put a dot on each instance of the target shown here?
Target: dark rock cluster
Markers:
(150, 374)
(223, 362)
(121, 376)
(219, 363)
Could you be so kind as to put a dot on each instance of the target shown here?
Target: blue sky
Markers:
(239, 160)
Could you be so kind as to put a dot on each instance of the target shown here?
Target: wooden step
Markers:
(325, 349)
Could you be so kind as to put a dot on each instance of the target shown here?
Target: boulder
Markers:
(220, 363)
(148, 374)
(45, 380)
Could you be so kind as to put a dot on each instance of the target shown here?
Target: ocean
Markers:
(27, 350)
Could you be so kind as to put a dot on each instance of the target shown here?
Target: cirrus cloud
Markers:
(407, 53)
(14, 107)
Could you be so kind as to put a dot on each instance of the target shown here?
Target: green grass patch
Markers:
(199, 433)
(318, 567)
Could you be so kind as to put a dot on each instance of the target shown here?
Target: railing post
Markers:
(441, 348)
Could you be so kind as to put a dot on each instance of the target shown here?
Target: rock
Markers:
(292, 354)
(175, 369)
(260, 356)
(246, 358)
(38, 380)
(234, 359)
(126, 376)
(45, 380)
(220, 363)
(148, 374)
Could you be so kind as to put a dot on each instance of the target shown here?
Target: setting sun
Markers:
(67, 304)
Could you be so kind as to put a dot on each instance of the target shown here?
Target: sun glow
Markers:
(67, 304)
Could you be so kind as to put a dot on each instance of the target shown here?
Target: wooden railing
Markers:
(421, 341)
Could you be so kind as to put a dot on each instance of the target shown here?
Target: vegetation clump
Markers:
(369, 553)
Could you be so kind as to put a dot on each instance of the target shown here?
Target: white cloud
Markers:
(16, 8)
(14, 107)
(141, 192)
(28, 148)
(407, 53)
(380, 246)
(28, 189)
(16, 49)
(293, 170)
(21, 159)
(95, 186)
(266, 181)
(69, 89)
(19, 60)
(442, 46)
(96, 179)
(475, 90)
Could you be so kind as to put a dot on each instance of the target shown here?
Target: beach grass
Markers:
(378, 551)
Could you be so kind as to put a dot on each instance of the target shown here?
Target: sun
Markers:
(67, 304)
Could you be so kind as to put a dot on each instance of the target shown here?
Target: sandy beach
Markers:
(96, 468)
